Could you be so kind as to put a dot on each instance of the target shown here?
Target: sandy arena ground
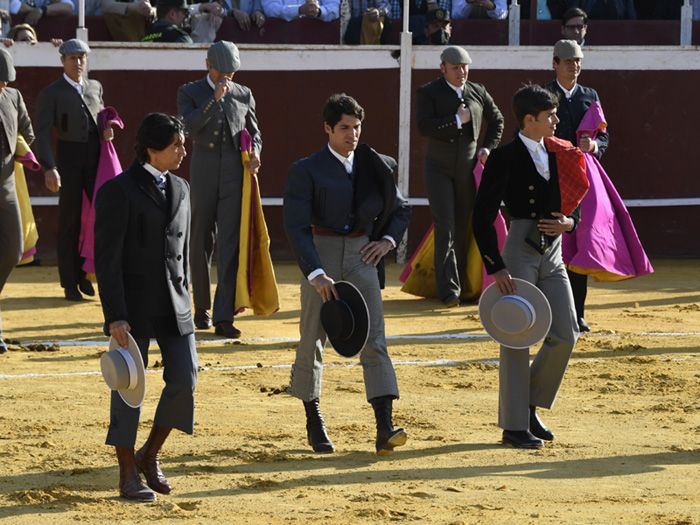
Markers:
(627, 421)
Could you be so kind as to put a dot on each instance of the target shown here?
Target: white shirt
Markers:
(158, 176)
(78, 86)
(539, 155)
(347, 164)
(568, 93)
(457, 90)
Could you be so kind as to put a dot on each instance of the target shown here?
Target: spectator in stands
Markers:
(23, 33)
(438, 28)
(127, 20)
(206, 19)
(496, 9)
(574, 25)
(417, 15)
(34, 10)
(696, 9)
(248, 13)
(326, 10)
(369, 22)
(659, 9)
(544, 9)
(606, 9)
(168, 28)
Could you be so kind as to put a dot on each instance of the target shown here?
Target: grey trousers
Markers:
(341, 260)
(522, 384)
(10, 230)
(176, 405)
(215, 197)
(451, 196)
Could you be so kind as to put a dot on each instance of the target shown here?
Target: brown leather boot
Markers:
(147, 460)
(130, 485)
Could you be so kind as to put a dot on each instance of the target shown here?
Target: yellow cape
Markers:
(30, 234)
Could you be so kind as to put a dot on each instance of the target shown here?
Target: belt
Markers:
(327, 232)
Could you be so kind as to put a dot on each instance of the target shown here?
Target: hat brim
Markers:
(529, 337)
(354, 344)
(133, 398)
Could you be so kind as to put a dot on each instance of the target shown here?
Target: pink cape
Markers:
(605, 243)
(107, 168)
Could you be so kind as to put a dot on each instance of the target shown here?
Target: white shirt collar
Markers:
(530, 144)
(153, 171)
(209, 81)
(456, 89)
(538, 153)
(345, 161)
(568, 93)
(77, 85)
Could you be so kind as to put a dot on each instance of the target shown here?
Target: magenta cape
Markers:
(605, 243)
(107, 168)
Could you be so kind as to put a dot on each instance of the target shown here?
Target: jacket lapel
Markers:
(175, 193)
(5, 105)
(145, 182)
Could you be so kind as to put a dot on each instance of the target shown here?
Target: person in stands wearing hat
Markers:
(524, 175)
(70, 106)
(450, 113)
(574, 101)
(216, 110)
(342, 214)
(496, 9)
(171, 16)
(142, 220)
(438, 28)
(14, 121)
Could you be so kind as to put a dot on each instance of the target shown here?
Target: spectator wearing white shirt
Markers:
(248, 13)
(496, 9)
(326, 10)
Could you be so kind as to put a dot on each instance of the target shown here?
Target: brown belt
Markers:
(320, 230)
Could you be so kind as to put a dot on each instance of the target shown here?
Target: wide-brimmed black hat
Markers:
(346, 320)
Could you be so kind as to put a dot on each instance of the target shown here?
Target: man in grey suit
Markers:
(142, 221)
(215, 111)
(70, 106)
(342, 214)
(525, 175)
(14, 121)
(450, 112)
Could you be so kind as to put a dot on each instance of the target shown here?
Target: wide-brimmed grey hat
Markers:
(565, 49)
(520, 320)
(455, 55)
(123, 371)
(74, 46)
(7, 67)
(223, 56)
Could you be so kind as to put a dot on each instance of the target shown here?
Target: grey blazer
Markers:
(60, 106)
(15, 121)
(203, 115)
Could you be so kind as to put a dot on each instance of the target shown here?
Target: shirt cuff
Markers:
(459, 122)
(595, 147)
(315, 273)
(390, 239)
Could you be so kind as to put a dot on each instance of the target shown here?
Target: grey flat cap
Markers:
(223, 56)
(74, 47)
(565, 49)
(7, 67)
(455, 55)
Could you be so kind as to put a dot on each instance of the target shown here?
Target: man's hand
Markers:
(554, 227)
(311, 8)
(108, 133)
(464, 114)
(258, 18)
(325, 286)
(52, 180)
(213, 8)
(372, 13)
(483, 155)
(242, 18)
(504, 282)
(372, 252)
(254, 163)
(118, 330)
(586, 144)
(222, 87)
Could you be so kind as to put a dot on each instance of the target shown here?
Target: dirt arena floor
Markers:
(627, 421)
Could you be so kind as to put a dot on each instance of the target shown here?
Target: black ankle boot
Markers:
(388, 437)
(316, 428)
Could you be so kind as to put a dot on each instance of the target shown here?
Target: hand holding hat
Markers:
(345, 320)
(123, 370)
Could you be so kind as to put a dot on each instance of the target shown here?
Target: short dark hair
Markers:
(532, 99)
(573, 12)
(157, 131)
(163, 8)
(341, 104)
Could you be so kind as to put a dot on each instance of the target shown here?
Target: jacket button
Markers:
(452, 140)
(216, 133)
(532, 201)
(533, 215)
(211, 145)
(179, 234)
(530, 188)
(179, 257)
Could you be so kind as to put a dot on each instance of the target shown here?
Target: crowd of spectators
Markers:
(368, 21)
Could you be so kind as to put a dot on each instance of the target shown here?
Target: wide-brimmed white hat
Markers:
(520, 320)
(123, 371)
